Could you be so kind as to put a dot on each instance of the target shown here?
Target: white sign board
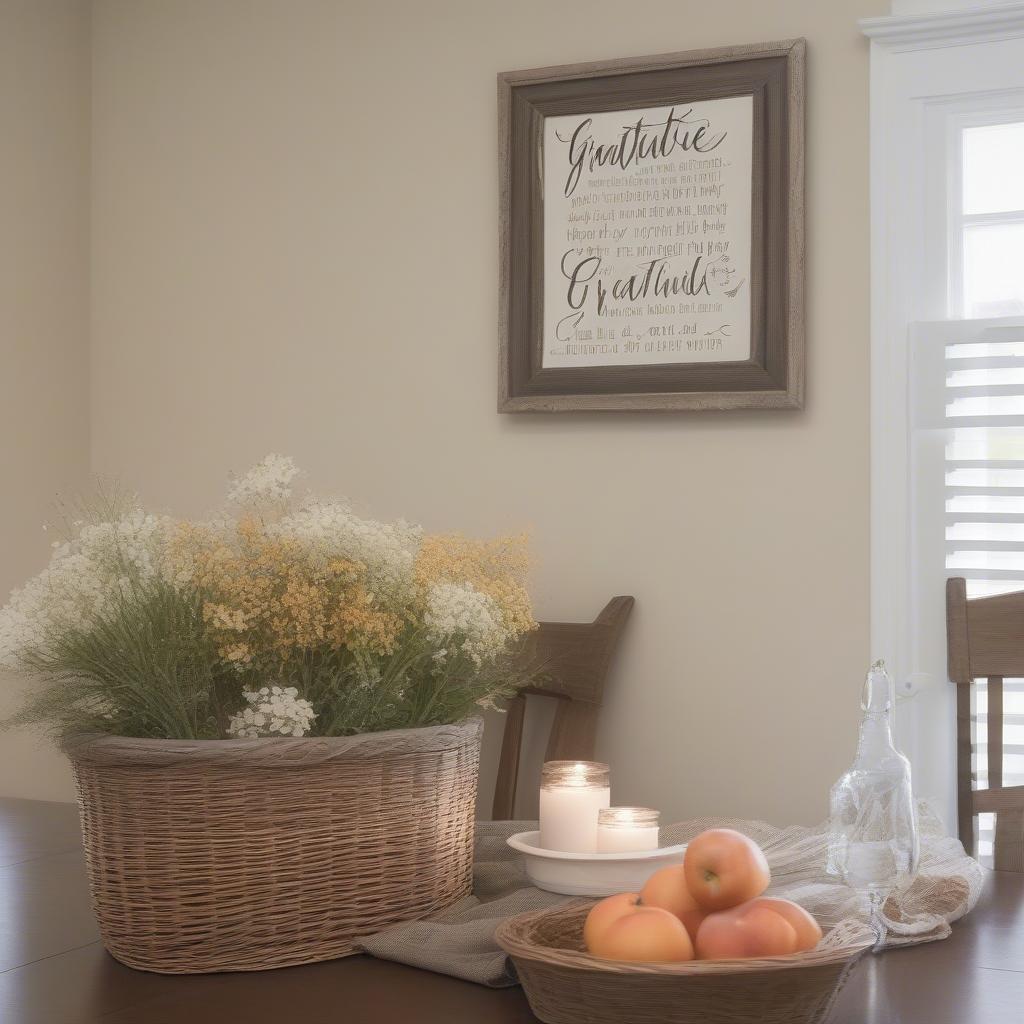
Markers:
(647, 235)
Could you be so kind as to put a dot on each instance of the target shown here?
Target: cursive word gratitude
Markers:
(641, 141)
(654, 278)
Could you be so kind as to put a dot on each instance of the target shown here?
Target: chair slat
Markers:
(989, 801)
(994, 740)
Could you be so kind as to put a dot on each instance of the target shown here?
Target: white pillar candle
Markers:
(625, 829)
(571, 795)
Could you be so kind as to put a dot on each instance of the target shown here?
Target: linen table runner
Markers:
(460, 941)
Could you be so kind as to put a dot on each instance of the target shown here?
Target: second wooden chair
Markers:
(573, 658)
(985, 638)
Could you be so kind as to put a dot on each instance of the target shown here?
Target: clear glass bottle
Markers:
(873, 838)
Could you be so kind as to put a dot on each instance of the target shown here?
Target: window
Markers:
(967, 379)
(987, 222)
(985, 464)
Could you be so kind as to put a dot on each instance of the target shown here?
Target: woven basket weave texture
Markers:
(565, 985)
(241, 855)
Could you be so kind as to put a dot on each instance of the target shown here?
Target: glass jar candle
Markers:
(622, 829)
(571, 795)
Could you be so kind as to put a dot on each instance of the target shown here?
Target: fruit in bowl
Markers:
(668, 890)
(808, 931)
(759, 927)
(724, 868)
(605, 914)
(621, 928)
(710, 907)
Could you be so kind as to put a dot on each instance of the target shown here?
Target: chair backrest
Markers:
(985, 640)
(573, 658)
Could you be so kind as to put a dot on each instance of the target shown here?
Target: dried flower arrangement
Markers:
(274, 617)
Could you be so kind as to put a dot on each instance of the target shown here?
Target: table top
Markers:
(54, 970)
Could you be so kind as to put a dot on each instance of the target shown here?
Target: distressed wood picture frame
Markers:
(574, 356)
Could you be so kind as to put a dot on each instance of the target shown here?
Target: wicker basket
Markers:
(245, 855)
(565, 985)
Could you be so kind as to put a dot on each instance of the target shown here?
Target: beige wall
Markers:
(294, 249)
(44, 311)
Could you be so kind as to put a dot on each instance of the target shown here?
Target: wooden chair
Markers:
(985, 638)
(574, 658)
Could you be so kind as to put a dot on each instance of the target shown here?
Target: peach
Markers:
(667, 889)
(724, 868)
(606, 913)
(750, 929)
(647, 934)
(808, 932)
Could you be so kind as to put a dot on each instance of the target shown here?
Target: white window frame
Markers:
(927, 71)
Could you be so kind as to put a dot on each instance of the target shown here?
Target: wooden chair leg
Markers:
(508, 764)
(1008, 853)
(966, 820)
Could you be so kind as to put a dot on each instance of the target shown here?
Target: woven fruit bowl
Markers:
(565, 985)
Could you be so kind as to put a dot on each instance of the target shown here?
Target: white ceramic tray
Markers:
(591, 874)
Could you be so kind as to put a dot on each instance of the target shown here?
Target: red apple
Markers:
(751, 929)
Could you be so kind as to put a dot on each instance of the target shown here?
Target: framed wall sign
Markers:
(652, 232)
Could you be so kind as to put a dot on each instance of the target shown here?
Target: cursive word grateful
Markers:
(654, 278)
(641, 141)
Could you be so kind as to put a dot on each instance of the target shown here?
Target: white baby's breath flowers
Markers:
(331, 530)
(84, 576)
(468, 618)
(269, 480)
(68, 592)
(272, 711)
(136, 541)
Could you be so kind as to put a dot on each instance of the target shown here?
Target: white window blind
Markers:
(967, 458)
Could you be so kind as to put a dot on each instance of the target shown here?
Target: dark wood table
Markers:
(53, 969)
